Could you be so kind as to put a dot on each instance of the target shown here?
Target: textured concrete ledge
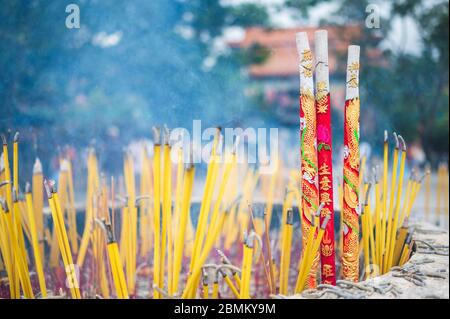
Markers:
(425, 275)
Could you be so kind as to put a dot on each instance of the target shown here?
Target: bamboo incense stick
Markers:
(378, 221)
(6, 249)
(383, 199)
(188, 182)
(157, 280)
(166, 225)
(286, 253)
(397, 204)
(427, 193)
(314, 251)
(35, 242)
(63, 240)
(263, 259)
(92, 185)
(445, 191)
(308, 248)
(18, 255)
(116, 264)
(438, 195)
(391, 202)
(272, 287)
(230, 284)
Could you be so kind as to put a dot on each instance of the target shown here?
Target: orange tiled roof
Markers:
(283, 59)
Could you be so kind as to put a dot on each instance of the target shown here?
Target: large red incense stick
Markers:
(350, 254)
(310, 200)
(324, 156)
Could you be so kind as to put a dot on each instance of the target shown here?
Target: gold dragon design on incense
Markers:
(350, 257)
(308, 161)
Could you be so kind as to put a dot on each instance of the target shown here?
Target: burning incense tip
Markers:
(366, 199)
(325, 222)
(15, 195)
(65, 165)
(49, 187)
(397, 142)
(403, 143)
(386, 136)
(16, 137)
(290, 217)
(321, 206)
(156, 135)
(4, 139)
(4, 205)
(37, 167)
(4, 183)
(27, 188)
(166, 135)
(375, 174)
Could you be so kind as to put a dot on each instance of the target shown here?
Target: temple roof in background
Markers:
(283, 59)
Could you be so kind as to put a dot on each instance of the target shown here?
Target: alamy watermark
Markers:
(257, 146)
(373, 17)
(73, 17)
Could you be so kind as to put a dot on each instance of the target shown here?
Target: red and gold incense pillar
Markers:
(308, 135)
(324, 156)
(351, 209)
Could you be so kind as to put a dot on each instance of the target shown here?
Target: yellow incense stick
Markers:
(438, 195)
(399, 243)
(306, 251)
(116, 264)
(178, 189)
(194, 276)
(35, 241)
(314, 250)
(63, 241)
(166, 231)
(157, 280)
(6, 250)
(8, 193)
(230, 284)
(19, 261)
(406, 200)
(92, 185)
(397, 204)
(215, 292)
(184, 216)
(370, 229)
(383, 199)
(365, 242)
(427, 193)
(445, 191)
(71, 209)
(206, 200)
(16, 161)
(391, 204)
(377, 221)
(38, 203)
(205, 287)
(286, 253)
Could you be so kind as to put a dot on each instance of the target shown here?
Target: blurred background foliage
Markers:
(134, 64)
